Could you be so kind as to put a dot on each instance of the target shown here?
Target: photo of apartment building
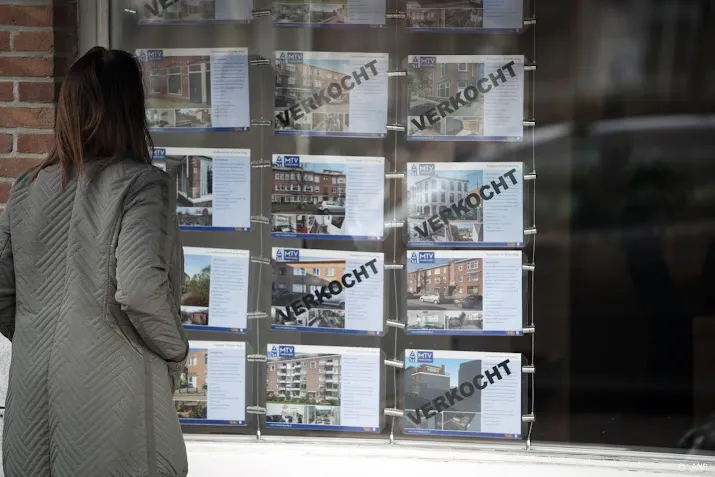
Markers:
(291, 280)
(304, 189)
(425, 382)
(454, 284)
(304, 379)
(429, 194)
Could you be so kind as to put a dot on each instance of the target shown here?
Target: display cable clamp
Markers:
(393, 363)
(531, 176)
(257, 358)
(261, 260)
(396, 324)
(528, 369)
(261, 219)
(530, 21)
(531, 67)
(261, 164)
(529, 330)
(529, 267)
(530, 123)
(257, 315)
(397, 15)
(395, 73)
(395, 127)
(394, 225)
(528, 418)
(394, 412)
(530, 231)
(395, 175)
(256, 410)
(393, 266)
(260, 13)
(260, 62)
(261, 122)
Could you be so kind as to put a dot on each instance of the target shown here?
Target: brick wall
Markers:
(38, 40)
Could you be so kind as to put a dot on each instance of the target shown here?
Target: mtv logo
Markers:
(414, 258)
(279, 255)
(414, 170)
(291, 255)
(159, 152)
(294, 58)
(425, 356)
(274, 352)
(142, 55)
(288, 161)
(426, 61)
(425, 257)
(412, 357)
(426, 169)
(286, 351)
(154, 55)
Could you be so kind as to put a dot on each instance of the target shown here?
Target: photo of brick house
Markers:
(304, 379)
(306, 276)
(453, 285)
(194, 188)
(191, 397)
(178, 82)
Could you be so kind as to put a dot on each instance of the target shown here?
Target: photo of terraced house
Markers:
(431, 86)
(292, 280)
(181, 84)
(429, 194)
(425, 382)
(191, 397)
(311, 382)
(194, 188)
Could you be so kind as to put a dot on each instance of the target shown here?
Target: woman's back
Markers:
(90, 280)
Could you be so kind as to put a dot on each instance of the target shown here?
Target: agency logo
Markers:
(426, 169)
(421, 357)
(154, 55)
(286, 351)
(288, 255)
(288, 161)
(422, 257)
(159, 152)
(292, 58)
(424, 62)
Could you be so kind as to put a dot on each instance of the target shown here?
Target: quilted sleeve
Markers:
(144, 256)
(7, 280)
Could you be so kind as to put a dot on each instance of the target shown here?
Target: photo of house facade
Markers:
(191, 397)
(303, 189)
(429, 194)
(456, 285)
(424, 382)
(194, 188)
(430, 86)
(291, 280)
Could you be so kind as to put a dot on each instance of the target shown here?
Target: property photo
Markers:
(431, 86)
(194, 180)
(313, 188)
(431, 193)
(194, 216)
(421, 17)
(295, 82)
(195, 315)
(191, 397)
(425, 382)
(447, 285)
(461, 320)
(197, 281)
(181, 84)
(287, 413)
(297, 11)
(185, 10)
(306, 379)
(463, 17)
(292, 280)
(445, 13)
(425, 320)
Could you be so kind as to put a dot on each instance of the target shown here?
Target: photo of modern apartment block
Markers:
(445, 14)
(194, 188)
(425, 382)
(318, 189)
(305, 11)
(427, 195)
(181, 84)
(190, 398)
(431, 86)
(292, 280)
(446, 285)
(298, 81)
(304, 379)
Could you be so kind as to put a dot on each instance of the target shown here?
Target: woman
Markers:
(91, 271)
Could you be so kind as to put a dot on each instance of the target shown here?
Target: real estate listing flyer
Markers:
(462, 394)
(196, 89)
(465, 98)
(328, 197)
(327, 388)
(465, 16)
(213, 384)
(193, 12)
(215, 293)
(329, 291)
(466, 204)
(329, 13)
(213, 186)
(464, 292)
(331, 94)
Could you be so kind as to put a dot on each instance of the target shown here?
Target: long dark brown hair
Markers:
(100, 113)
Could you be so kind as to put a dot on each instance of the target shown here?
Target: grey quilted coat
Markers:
(90, 287)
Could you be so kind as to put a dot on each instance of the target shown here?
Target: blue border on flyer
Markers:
(335, 331)
(467, 244)
(467, 138)
(336, 26)
(216, 328)
(194, 22)
(295, 132)
(439, 432)
(364, 238)
(209, 228)
(198, 130)
(464, 332)
(320, 427)
(210, 422)
(484, 31)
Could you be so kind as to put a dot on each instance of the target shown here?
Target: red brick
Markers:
(5, 188)
(34, 41)
(27, 118)
(34, 16)
(5, 143)
(14, 166)
(6, 93)
(25, 66)
(4, 41)
(35, 143)
(34, 92)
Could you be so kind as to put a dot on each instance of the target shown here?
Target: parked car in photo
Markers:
(328, 207)
(281, 297)
(336, 300)
(432, 297)
(284, 101)
(470, 301)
